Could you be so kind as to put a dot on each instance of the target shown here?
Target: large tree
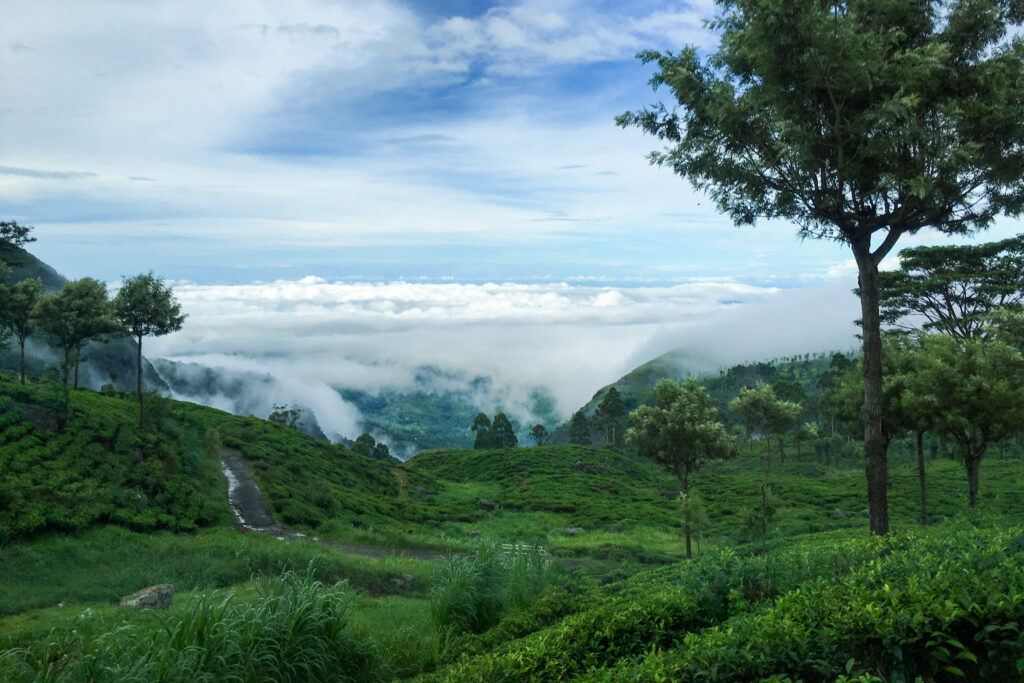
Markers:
(503, 435)
(482, 427)
(21, 298)
(80, 312)
(579, 429)
(539, 433)
(952, 289)
(680, 432)
(860, 122)
(608, 416)
(145, 306)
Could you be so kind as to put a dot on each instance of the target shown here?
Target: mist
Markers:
(498, 346)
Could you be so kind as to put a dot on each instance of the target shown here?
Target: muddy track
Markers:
(251, 513)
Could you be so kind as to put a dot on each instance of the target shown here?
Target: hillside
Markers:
(803, 374)
(99, 508)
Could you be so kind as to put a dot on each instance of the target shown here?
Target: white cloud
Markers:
(570, 339)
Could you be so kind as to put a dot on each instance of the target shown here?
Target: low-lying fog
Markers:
(302, 341)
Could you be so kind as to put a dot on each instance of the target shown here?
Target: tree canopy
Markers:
(579, 429)
(972, 392)
(146, 306)
(953, 288)
(20, 299)
(15, 235)
(765, 414)
(854, 120)
(502, 433)
(78, 313)
(482, 427)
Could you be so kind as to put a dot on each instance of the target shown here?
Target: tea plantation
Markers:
(95, 507)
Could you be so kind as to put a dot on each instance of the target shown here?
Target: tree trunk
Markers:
(876, 466)
(923, 518)
(138, 368)
(782, 450)
(66, 367)
(22, 342)
(684, 480)
(78, 360)
(768, 457)
(973, 466)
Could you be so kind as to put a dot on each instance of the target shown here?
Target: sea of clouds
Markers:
(306, 339)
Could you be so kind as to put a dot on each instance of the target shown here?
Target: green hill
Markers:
(99, 508)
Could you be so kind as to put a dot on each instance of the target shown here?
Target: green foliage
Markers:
(608, 416)
(100, 468)
(953, 287)
(103, 563)
(579, 429)
(852, 120)
(15, 235)
(364, 444)
(20, 299)
(539, 433)
(971, 391)
(482, 427)
(765, 414)
(295, 630)
(472, 593)
(77, 314)
(801, 613)
(942, 607)
(286, 417)
(679, 431)
(502, 434)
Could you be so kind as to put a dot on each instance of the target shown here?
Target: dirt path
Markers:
(252, 514)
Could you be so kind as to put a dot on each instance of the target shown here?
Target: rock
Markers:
(475, 533)
(404, 581)
(839, 512)
(580, 465)
(485, 504)
(672, 495)
(866, 512)
(422, 491)
(154, 597)
(573, 530)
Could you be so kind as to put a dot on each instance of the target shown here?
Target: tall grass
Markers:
(295, 630)
(472, 592)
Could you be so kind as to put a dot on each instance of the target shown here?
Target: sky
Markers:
(240, 148)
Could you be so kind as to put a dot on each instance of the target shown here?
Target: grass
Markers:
(295, 629)
(106, 563)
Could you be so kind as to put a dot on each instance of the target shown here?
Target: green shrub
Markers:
(472, 592)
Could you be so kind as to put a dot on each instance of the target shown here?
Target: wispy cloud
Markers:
(44, 175)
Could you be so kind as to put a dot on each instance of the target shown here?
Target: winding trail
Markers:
(251, 513)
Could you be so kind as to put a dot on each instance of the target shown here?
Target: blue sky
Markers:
(233, 141)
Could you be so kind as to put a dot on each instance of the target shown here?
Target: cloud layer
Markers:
(570, 340)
